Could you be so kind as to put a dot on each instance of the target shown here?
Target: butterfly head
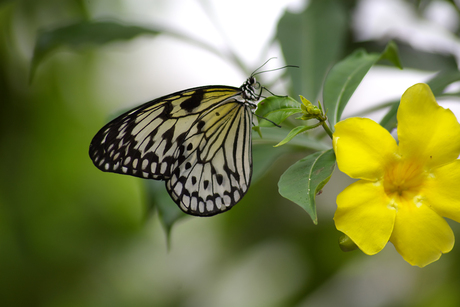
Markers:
(249, 89)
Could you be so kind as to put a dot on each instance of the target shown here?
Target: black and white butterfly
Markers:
(197, 140)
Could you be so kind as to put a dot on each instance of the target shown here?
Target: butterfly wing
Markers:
(162, 137)
(215, 165)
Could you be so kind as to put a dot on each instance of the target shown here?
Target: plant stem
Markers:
(326, 128)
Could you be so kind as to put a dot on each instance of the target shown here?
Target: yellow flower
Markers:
(405, 190)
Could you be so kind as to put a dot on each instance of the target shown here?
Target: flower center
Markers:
(403, 180)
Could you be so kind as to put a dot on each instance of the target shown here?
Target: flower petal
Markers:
(363, 215)
(442, 192)
(427, 132)
(362, 148)
(420, 235)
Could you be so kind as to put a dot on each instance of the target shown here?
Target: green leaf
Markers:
(304, 179)
(277, 109)
(257, 129)
(412, 58)
(159, 199)
(313, 40)
(293, 133)
(342, 81)
(83, 34)
(264, 156)
(345, 76)
(389, 121)
(443, 79)
(391, 54)
(304, 141)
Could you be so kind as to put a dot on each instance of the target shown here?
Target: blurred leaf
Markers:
(277, 109)
(304, 179)
(83, 34)
(257, 129)
(423, 60)
(313, 40)
(391, 54)
(443, 79)
(158, 198)
(412, 58)
(264, 156)
(389, 121)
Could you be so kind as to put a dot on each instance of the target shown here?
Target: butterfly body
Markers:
(197, 140)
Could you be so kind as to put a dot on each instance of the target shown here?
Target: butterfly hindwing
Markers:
(216, 168)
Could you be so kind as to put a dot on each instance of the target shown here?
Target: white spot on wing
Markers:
(145, 163)
(194, 204)
(153, 167)
(186, 200)
(218, 202)
(178, 188)
(236, 196)
(209, 205)
(164, 167)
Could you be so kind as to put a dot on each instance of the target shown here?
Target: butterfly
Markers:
(197, 140)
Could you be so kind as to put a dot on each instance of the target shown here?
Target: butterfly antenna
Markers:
(269, 92)
(275, 69)
(265, 63)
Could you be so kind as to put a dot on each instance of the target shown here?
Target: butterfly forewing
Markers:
(197, 140)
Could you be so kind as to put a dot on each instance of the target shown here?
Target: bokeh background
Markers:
(71, 235)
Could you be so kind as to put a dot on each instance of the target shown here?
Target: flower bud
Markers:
(346, 244)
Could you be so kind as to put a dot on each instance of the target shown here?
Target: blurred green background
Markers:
(71, 235)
